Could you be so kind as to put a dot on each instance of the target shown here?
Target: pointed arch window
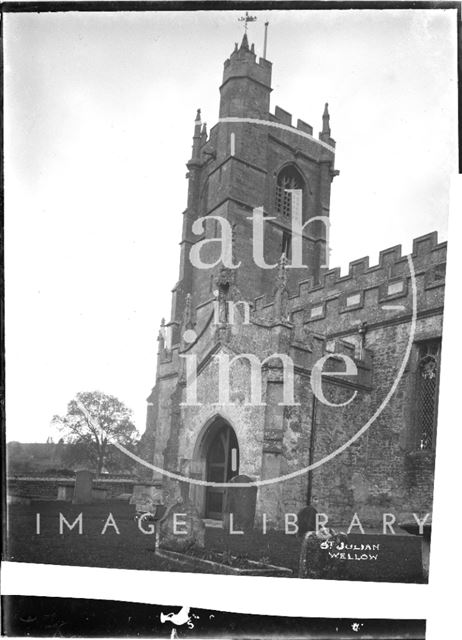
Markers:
(427, 393)
(288, 178)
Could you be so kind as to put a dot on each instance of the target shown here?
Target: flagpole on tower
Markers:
(265, 40)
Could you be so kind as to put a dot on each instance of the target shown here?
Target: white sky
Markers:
(99, 112)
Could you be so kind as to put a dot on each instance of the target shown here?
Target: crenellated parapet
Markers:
(367, 292)
(339, 304)
(283, 117)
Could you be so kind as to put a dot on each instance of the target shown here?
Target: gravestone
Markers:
(181, 527)
(425, 534)
(306, 520)
(146, 497)
(83, 489)
(240, 502)
(65, 491)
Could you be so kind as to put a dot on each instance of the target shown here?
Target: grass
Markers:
(399, 556)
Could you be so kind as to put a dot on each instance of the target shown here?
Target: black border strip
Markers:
(75, 617)
(229, 5)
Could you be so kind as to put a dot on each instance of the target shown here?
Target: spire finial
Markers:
(196, 136)
(187, 313)
(245, 42)
(326, 120)
(161, 335)
(246, 19)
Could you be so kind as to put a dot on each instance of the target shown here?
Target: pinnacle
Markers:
(326, 120)
(245, 42)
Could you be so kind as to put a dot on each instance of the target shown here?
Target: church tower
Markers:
(234, 395)
(253, 168)
(252, 159)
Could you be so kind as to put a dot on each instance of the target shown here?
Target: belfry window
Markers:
(288, 178)
(427, 393)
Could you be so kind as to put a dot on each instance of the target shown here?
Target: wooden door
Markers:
(222, 463)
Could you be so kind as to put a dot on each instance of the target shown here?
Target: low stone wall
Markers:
(39, 488)
(114, 488)
(46, 488)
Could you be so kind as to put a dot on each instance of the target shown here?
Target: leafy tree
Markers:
(106, 420)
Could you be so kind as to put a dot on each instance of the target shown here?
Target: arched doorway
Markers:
(221, 454)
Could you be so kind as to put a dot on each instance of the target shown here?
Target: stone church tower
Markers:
(254, 161)
(243, 165)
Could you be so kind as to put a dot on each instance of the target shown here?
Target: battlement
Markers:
(340, 306)
(284, 117)
(262, 62)
(242, 63)
(266, 64)
(367, 289)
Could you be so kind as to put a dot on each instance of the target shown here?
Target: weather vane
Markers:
(246, 19)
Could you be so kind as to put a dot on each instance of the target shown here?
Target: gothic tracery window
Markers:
(288, 178)
(427, 393)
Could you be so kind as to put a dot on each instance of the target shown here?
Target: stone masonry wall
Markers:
(383, 470)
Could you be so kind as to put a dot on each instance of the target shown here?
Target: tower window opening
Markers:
(427, 393)
(289, 178)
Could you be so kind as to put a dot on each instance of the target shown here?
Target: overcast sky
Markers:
(99, 111)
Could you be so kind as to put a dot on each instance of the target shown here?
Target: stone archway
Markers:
(217, 456)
